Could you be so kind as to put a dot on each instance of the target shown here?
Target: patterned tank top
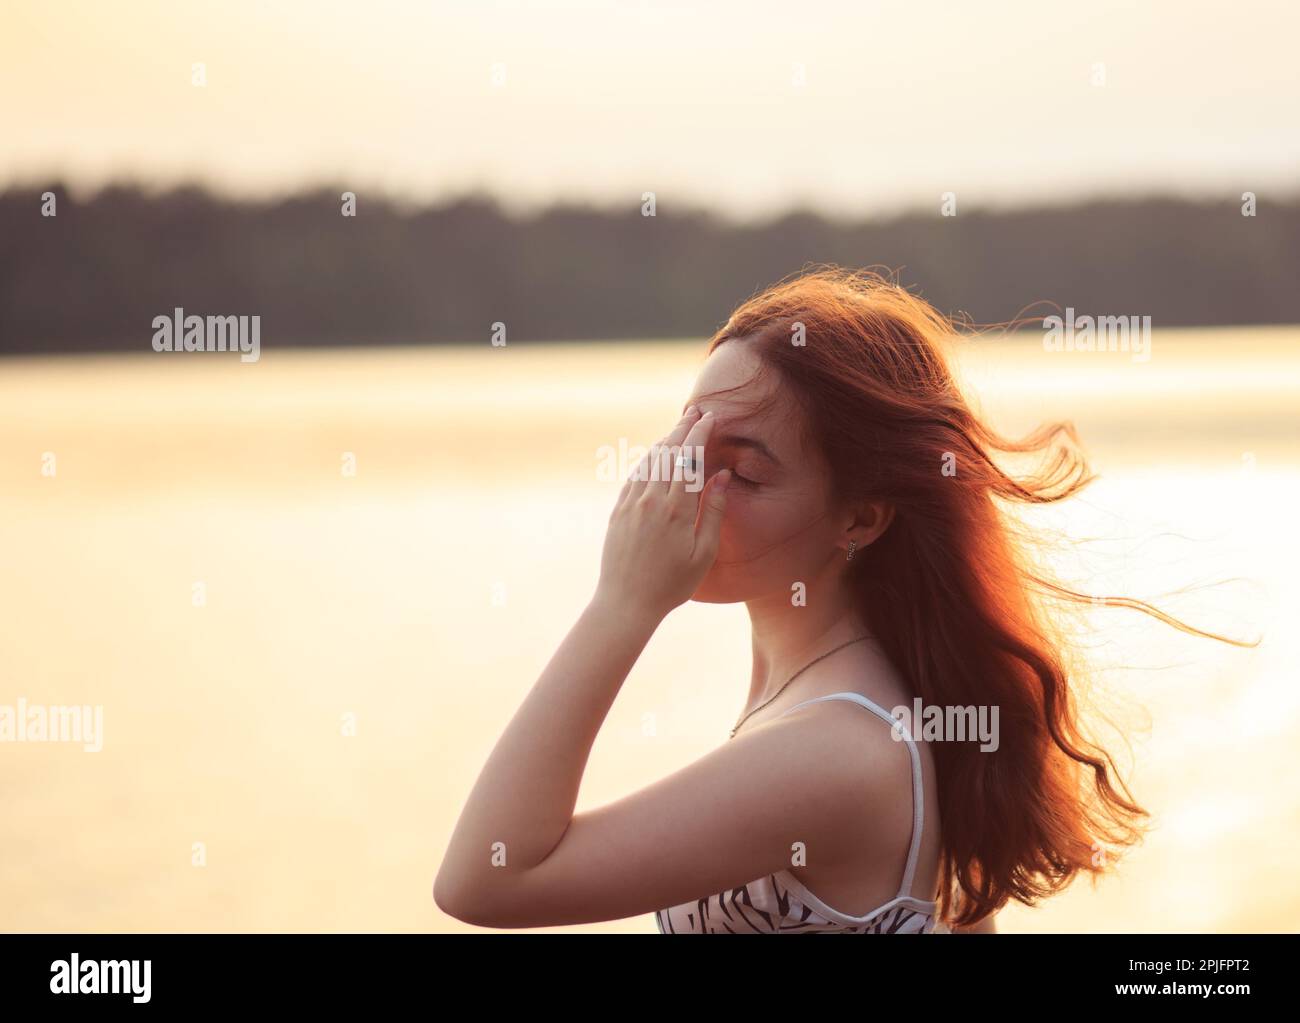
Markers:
(780, 904)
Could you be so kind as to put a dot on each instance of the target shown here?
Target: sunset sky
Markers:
(745, 107)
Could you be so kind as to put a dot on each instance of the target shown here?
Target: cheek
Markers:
(762, 526)
(764, 542)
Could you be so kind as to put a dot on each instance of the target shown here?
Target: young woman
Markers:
(851, 504)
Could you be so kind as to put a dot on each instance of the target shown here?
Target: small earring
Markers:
(852, 545)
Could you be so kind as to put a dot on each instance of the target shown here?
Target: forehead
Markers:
(732, 367)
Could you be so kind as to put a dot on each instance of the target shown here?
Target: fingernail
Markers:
(691, 410)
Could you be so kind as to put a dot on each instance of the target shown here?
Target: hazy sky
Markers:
(745, 107)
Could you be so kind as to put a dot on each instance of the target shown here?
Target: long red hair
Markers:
(949, 589)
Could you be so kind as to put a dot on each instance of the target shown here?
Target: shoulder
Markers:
(852, 755)
(863, 729)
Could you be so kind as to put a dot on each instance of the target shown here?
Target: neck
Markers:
(786, 637)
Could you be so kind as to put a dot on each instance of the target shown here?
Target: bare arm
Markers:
(717, 824)
(523, 801)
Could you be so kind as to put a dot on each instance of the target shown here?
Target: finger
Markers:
(654, 469)
(636, 482)
(677, 434)
(657, 466)
(663, 468)
(713, 506)
(636, 479)
(694, 447)
(689, 418)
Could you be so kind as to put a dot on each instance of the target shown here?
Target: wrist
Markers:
(624, 610)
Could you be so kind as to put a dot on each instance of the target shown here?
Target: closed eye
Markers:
(742, 480)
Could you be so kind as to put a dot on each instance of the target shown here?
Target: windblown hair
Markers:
(949, 589)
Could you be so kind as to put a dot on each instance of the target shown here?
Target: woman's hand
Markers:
(656, 553)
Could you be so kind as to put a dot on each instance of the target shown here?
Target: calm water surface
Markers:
(303, 669)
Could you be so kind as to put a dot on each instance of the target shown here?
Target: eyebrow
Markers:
(736, 440)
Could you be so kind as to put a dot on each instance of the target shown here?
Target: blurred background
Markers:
(308, 592)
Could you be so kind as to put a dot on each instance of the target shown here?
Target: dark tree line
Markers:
(95, 275)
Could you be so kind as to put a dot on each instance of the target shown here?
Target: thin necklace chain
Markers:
(736, 727)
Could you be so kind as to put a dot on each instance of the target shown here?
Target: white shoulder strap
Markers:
(918, 791)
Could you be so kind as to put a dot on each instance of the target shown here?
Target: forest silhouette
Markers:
(93, 276)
